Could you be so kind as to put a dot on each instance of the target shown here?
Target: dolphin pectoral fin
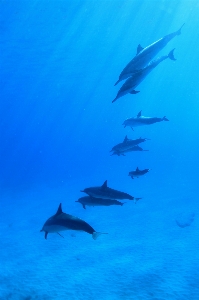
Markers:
(96, 234)
(132, 128)
(60, 235)
(84, 206)
(134, 92)
(170, 55)
(139, 49)
(46, 233)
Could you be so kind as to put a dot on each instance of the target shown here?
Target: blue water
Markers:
(59, 62)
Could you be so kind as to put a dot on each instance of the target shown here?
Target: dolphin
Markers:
(127, 144)
(62, 221)
(90, 201)
(122, 152)
(132, 82)
(137, 173)
(145, 55)
(140, 120)
(104, 192)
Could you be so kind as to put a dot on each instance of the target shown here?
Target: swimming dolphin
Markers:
(145, 55)
(122, 152)
(104, 192)
(137, 173)
(91, 201)
(132, 82)
(127, 144)
(62, 221)
(140, 120)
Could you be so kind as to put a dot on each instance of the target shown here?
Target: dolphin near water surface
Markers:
(145, 55)
(132, 82)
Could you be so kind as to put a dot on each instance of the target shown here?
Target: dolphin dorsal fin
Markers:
(104, 185)
(139, 114)
(125, 139)
(59, 211)
(137, 169)
(139, 49)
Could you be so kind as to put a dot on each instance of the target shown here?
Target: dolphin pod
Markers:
(134, 73)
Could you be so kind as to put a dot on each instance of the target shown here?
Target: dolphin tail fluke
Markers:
(165, 119)
(171, 55)
(96, 234)
(179, 31)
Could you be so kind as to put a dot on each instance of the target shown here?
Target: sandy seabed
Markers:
(144, 256)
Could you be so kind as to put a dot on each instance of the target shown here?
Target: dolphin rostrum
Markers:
(140, 120)
(62, 221)
(137, 173)
(127, 145)
(91, 201)
(104, 192)
(132, 82)
(145, 55)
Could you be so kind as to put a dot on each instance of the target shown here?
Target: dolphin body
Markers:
(145, 55)
(127, 145)
(140, 120)
(137, 173)
(104, 192)
(132, 82)
(62, 221)
(122, 152)
(90, 201)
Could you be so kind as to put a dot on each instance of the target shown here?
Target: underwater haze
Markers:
(59, 63)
